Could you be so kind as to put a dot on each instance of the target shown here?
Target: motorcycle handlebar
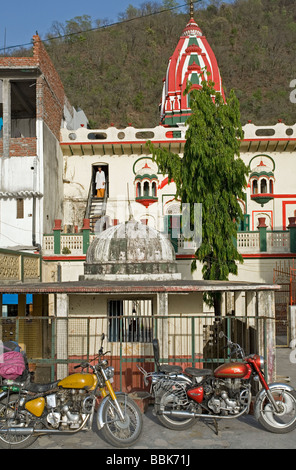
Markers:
(83, 365)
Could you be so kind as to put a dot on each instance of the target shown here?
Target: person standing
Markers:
(100, 182)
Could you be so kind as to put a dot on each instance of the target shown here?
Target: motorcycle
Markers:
(29, 410)
(225, 393)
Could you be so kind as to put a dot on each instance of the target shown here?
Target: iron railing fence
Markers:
(186, 340)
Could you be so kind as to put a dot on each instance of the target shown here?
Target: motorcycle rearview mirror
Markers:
(102, 339)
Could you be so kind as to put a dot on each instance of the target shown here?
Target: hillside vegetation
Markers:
(115, 73)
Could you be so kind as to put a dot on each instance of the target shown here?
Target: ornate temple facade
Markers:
(134, 184)
(83, 272)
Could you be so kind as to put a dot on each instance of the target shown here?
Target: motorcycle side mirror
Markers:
(103, 337)
(221, 334)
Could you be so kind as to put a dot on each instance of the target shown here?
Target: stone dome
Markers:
(131, 250)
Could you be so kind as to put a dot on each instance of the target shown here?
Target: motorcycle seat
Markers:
(41, 388)
(198, 372)
(167, 369)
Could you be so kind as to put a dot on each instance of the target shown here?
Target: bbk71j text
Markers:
(173, 459)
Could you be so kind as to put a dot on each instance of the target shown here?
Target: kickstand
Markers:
(216, 427)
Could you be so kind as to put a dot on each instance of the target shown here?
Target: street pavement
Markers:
(157, 443)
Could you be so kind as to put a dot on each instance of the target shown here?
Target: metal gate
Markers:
(284, 274)
(184, 340)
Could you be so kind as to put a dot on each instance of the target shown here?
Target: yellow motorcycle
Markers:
(29, 410)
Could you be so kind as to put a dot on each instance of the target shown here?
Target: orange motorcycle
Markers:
(180, 398)
(29, 410)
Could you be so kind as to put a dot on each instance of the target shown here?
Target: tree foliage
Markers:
(211, 173)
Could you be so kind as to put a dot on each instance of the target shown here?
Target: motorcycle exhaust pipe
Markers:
(191, 414)
(25, 431)
(18, 430)
(182, 414)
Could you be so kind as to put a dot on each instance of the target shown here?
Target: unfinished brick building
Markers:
(33, 108)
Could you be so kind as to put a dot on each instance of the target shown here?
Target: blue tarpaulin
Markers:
(12, 299)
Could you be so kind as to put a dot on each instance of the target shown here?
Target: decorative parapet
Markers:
(131, 140)
(113, 141)
(72, 244)
(279, 138)
(248, 242)
(16, 267)
(76, 244)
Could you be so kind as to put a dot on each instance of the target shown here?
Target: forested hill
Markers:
(115, 73)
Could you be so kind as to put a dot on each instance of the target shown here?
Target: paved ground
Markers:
(241, 433)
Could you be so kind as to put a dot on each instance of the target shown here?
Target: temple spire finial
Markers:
(191, 9)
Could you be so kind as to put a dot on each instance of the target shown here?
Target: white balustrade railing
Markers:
(48, 244)
(247, 242)
(278, 242)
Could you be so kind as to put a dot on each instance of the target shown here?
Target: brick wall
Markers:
(49, 88)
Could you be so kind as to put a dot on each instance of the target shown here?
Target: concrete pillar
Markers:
(292, 228)
(6, 93)
(86, 233)
(292, 311)
(62, 309)
(239, 304)
(162, 324)
(251, 307)
(21, 312)
(266, 332)
(57, 236)
(262, 227)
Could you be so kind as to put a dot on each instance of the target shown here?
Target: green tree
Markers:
(211, 173)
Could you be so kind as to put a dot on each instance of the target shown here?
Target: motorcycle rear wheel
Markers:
(282, 422)
(168, 402)
(116, 432)
(8, 406)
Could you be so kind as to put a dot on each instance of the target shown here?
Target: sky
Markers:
(20, 19)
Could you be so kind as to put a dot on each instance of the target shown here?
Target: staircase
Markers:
(95, 209)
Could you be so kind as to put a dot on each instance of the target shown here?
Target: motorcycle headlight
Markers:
(260, 361)
(109, 372)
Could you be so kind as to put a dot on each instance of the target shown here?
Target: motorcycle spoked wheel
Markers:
(9, 440)
(169, 402)
(116, 432)
(282, 422)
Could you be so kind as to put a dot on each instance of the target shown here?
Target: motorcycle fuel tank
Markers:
(36, 406)
(87, 381)
(234, 370)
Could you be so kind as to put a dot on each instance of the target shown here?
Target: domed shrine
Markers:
(193, 61)
(262, 183)
(146, 182)
(130, 250)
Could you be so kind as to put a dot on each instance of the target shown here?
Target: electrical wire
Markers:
(116, 23)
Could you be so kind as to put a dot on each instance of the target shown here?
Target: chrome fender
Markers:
(100, 421)
(262, 394)
(286, 387)
(3, 395)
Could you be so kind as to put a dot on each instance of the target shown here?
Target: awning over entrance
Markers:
(93, 287)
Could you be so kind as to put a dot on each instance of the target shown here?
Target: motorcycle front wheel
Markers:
(122, 433)
(11, 417)
(169, 403)
(278, 422)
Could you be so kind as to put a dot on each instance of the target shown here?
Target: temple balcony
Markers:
(260, 242)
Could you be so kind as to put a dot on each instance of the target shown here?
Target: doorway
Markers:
(105, 169)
